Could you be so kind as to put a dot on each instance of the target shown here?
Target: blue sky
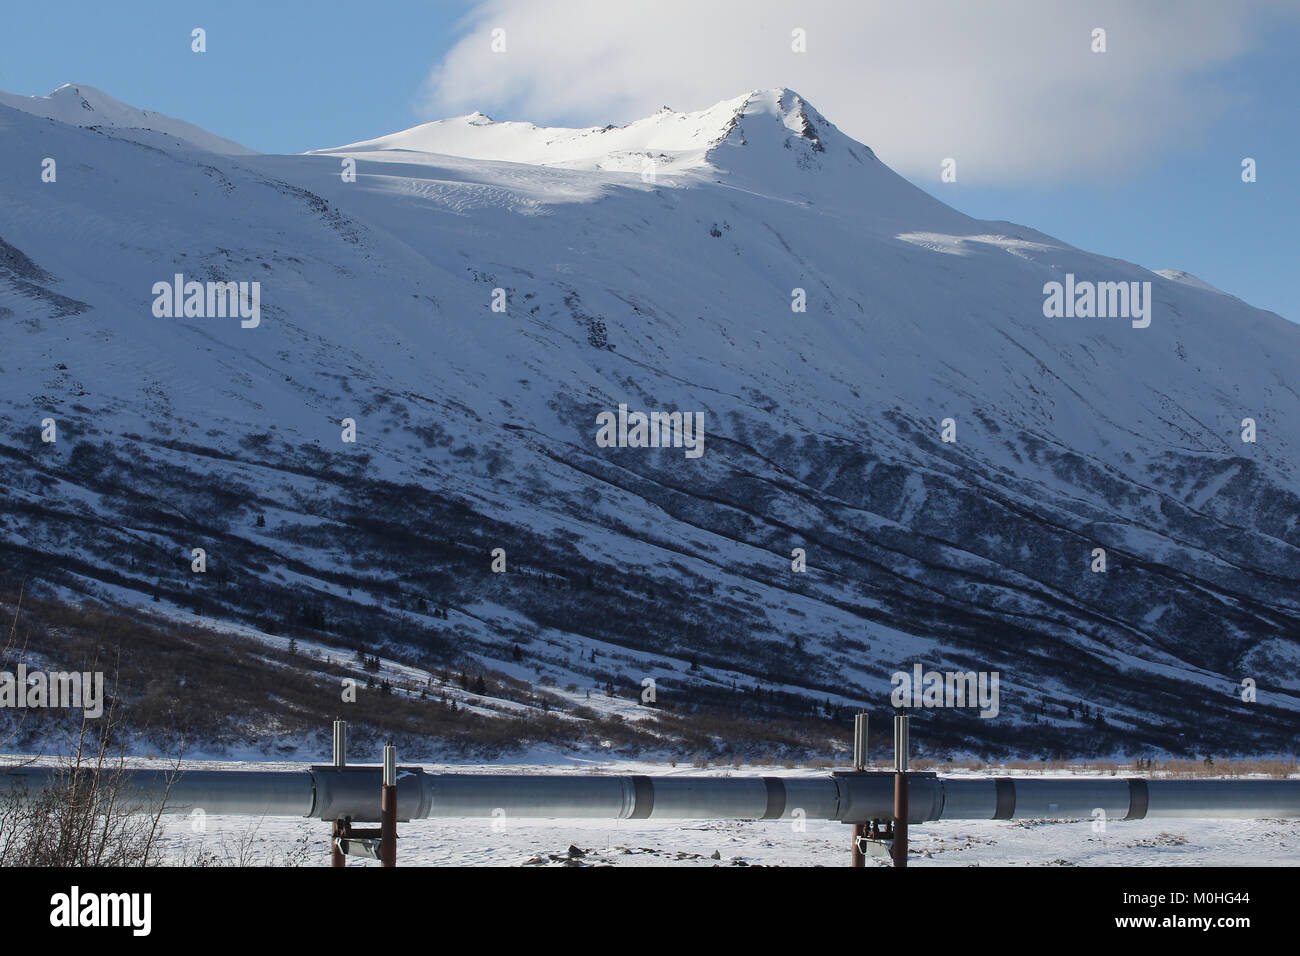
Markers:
(1158, 146)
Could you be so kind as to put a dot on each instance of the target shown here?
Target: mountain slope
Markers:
(476, 429)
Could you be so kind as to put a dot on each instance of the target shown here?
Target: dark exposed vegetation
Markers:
(407, 563)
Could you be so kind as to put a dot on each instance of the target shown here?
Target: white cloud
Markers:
(1009, 88)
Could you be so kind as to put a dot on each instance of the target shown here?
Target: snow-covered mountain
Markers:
(658, 266)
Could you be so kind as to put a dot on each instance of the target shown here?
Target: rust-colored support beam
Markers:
(338, 829)
(900, 819)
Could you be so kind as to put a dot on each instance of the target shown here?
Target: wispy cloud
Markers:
(1011, 89)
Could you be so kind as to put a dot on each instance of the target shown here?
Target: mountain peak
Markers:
(78, 104)
(74, 91)
(764, 120)
(784, 105)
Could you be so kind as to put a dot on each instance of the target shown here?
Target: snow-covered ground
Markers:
(823, 843)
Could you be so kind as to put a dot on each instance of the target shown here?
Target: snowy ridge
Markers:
(1177, 275)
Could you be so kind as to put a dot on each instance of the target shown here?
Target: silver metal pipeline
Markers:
(270, 793)
(330, 792)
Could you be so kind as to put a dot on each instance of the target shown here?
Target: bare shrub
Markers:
(86, 815)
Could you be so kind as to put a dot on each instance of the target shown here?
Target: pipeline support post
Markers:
(900, 790)
(340, 743)
(859, 766)
(339, 828)
(388, 809)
